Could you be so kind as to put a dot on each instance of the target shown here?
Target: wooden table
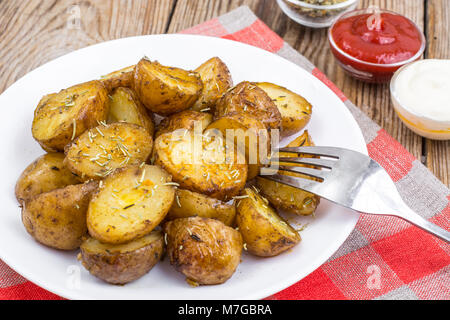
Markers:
(33, 32)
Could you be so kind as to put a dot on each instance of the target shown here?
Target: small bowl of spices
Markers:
(316, 13)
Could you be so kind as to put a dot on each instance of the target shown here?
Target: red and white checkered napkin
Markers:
(384, 258)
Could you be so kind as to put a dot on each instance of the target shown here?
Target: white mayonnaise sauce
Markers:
(424, 89)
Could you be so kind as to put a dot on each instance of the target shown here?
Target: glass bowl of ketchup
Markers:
(372, 44)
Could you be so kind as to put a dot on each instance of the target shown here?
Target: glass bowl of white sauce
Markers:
(420, 92)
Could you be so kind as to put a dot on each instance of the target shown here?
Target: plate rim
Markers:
(261, 294)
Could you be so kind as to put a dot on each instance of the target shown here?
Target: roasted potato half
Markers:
(46, 173)
(130, 203)
(126, 107)
(189, 204)
(216, 80)
(122, 263)
(248, 98)
(119, 78)
(210, 170)
(294, 109)
(265, 233)
(250, 137)
(205, 250)
(101, 150)
(288, 198)
(187, 119)
(59, 118)
(58, 218)
(166, 90)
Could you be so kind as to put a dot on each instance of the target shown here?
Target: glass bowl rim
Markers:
(321, 6)
(396, 64)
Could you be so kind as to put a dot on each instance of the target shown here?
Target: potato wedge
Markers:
(101, 150)
(288, 198)
(57, 218)
(248, 98)
(46, 173)
(205, 250)
(126, 107)
(207, 172)
(295, 110)
(250, 136)
(130, 203)
(186, 119)
(265, 233)
(189, 204)
(166, 90)
(59, 118)
(119, 78)
(216, 80)
(122, 263)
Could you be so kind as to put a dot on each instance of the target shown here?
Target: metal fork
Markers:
(350, 179)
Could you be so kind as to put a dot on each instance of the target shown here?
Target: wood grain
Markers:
(36, 31)
(437, 29)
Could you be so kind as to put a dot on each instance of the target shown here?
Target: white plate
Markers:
(256, 278)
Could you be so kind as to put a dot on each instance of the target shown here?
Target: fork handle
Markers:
(412, 217)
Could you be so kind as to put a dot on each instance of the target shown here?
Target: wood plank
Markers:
(374, 100)
(34, 32)
(438, 25)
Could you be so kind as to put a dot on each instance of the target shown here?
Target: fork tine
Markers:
(296, 182)
(314, 173)
(316, 151)
(322, 163)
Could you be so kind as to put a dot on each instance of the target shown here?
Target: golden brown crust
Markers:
(119, 78)
(99, 151)
(166, 90)
(255, 137)
(216, 80)
(58, 218)
(265, 233)
(294, 109)
(46, 173)
(284, 197)
(120, 264)
(189, 204)
(248, 98)
(205, 250)
(130, 203)
(126, 107)
(186, 119)
(59, 118)
(209, 174)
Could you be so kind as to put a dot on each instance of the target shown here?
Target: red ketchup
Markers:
(371, 47)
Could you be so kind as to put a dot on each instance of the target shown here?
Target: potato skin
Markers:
(216, 80)
(63, 116)
(184, 120)
(119, 78)
(166, 90)
(257, 137)
(123, 143)
(129, 204)
(294, 109)
(46, 173)
(120, 264)
(211, 176)
(248, 98)
(190, 204)
(57, 218)
(264, 232)
(288, 198)
(126, 107)
(205, 250)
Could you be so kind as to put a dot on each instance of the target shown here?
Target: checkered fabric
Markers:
(384, 258)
